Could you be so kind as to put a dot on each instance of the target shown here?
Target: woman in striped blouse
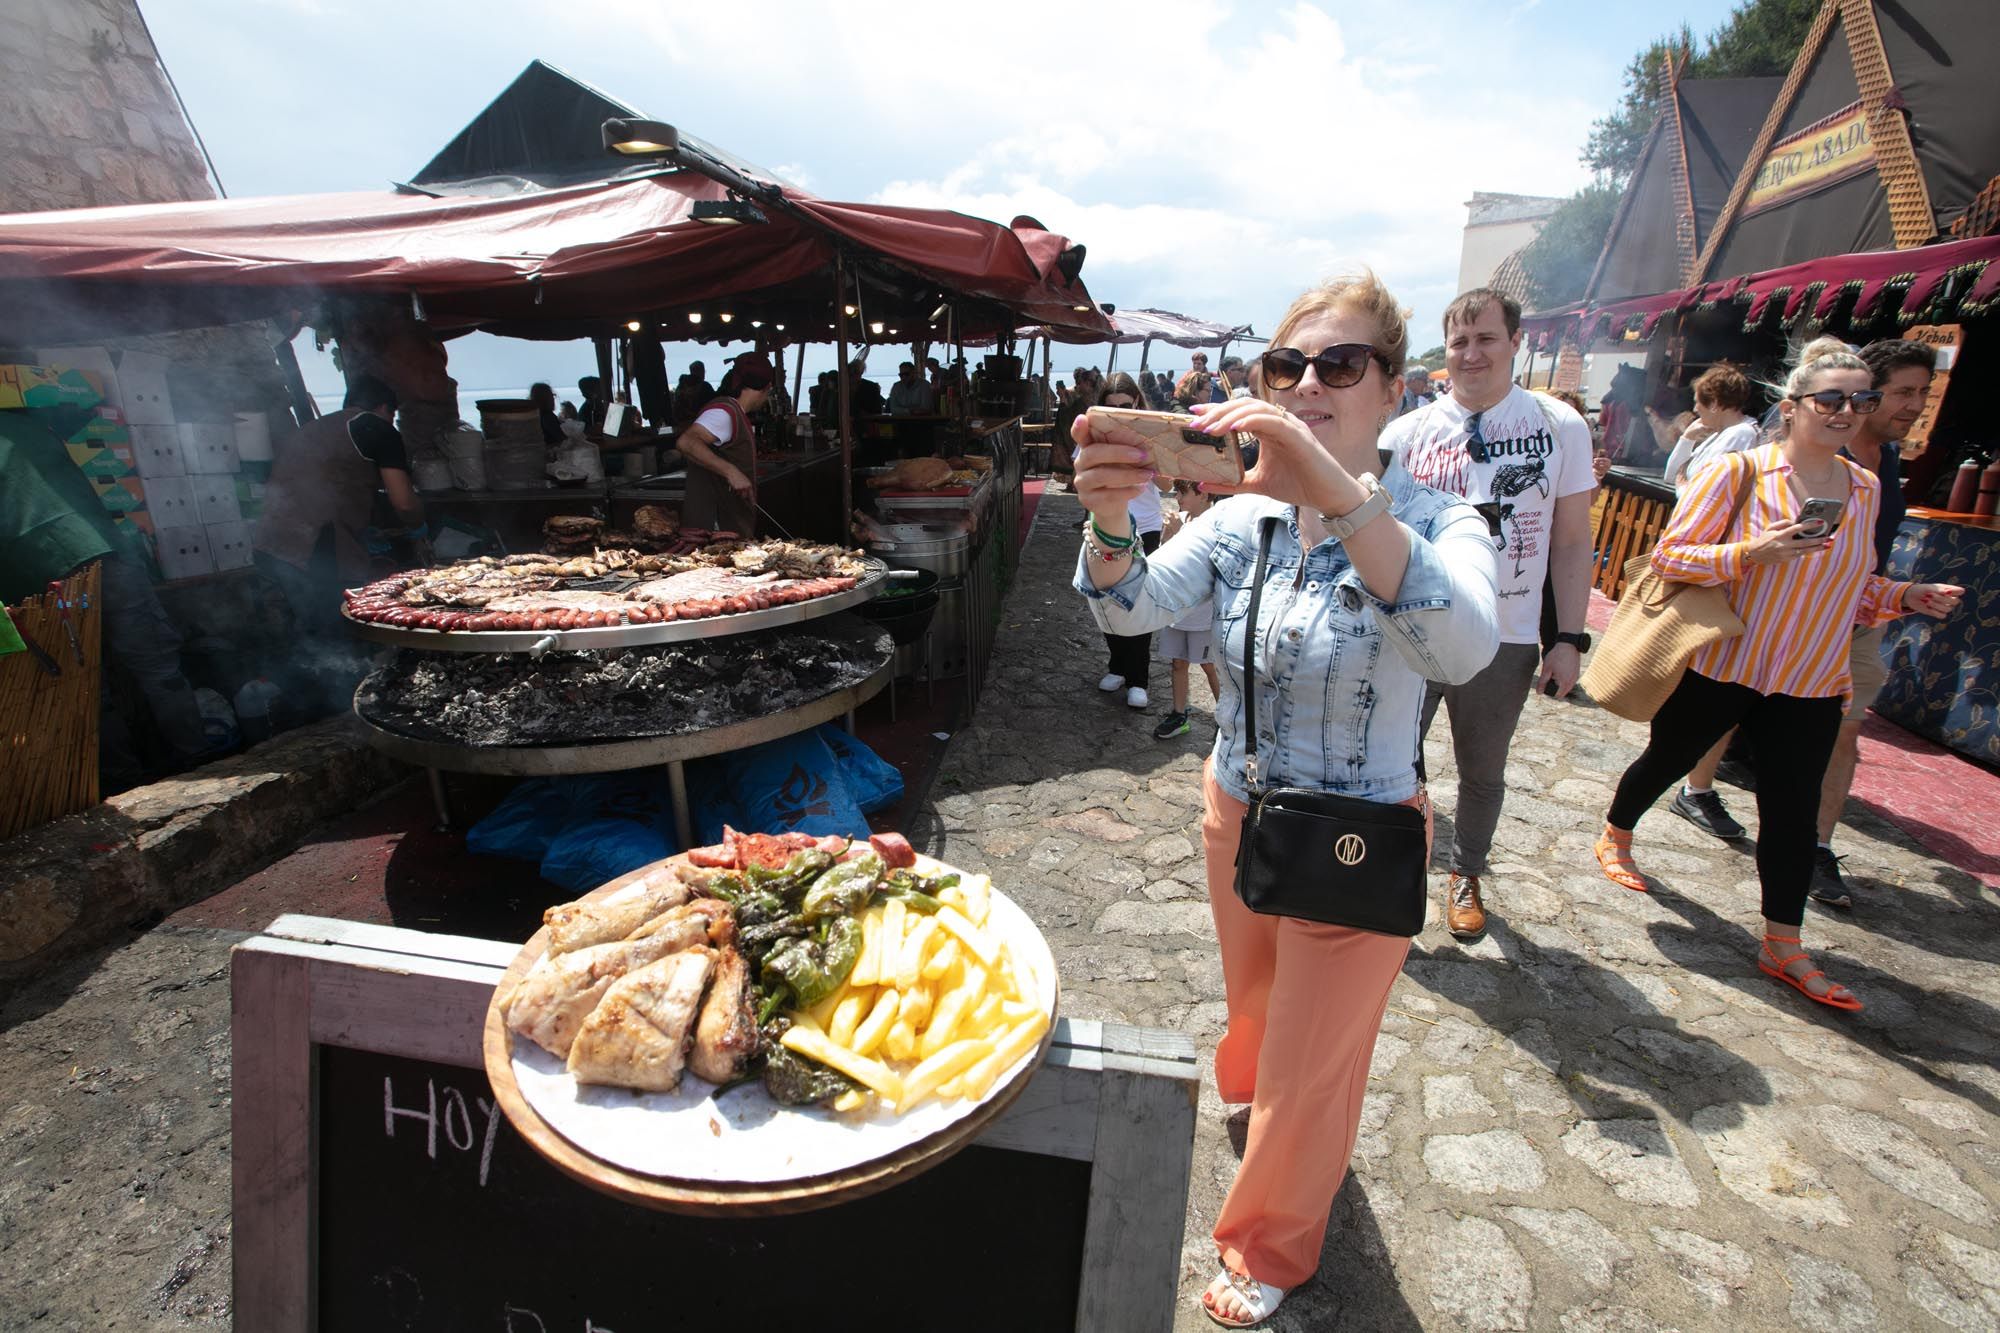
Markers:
(1800, 593)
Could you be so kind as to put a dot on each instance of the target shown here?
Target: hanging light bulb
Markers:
(847, 310)
(756, 323)
(726, 317)
(694, 316)
(876, 328)
(779, 327)
(632, 325)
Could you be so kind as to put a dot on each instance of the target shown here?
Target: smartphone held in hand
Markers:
(1178, 448)
(1820, 518)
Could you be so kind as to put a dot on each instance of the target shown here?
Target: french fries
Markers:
(936, 1006)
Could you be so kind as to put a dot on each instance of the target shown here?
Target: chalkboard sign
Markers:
(375, 1187)
(435, 1215)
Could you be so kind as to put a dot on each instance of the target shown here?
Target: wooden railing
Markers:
(1634, 510)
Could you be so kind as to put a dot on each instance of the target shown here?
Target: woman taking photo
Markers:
(1130, 662)
(1347, 633)
(1800, 589)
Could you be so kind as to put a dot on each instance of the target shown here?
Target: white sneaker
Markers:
(1136, 697)
(1111, 684)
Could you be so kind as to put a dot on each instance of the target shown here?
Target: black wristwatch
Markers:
(1579, 641)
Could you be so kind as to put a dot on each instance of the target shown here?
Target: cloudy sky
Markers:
(1215, 158)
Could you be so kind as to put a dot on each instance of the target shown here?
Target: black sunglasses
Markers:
(1338, 366)
(1827, 401)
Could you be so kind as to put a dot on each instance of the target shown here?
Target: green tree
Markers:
(1615, 141)
(1433, 359)
(1759, 38)
(1560, 258)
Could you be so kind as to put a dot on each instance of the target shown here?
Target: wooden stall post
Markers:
(841, 393)
(798, 379)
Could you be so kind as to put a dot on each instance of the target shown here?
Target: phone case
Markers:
(1178, 449)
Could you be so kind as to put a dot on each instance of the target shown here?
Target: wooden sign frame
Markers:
(1118, 1097)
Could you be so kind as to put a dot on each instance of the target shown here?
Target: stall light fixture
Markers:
(633, 325)
(758, 324)
(694, 316)
(876, 328)
(640, 138)
(779, 327)
(1081, 309)
(727, 212)
(847, 310)
(938, 313)
(726, 317)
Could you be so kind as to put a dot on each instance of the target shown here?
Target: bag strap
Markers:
(1266, 529)
(1743, 489)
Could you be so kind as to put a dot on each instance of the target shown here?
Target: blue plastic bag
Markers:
(793, 785)
(591, 852)
(873, 782)
(523, 825)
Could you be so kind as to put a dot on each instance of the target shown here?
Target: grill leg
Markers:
(677, 791)
(440, 800)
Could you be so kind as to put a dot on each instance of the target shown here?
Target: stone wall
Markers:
(87, 116)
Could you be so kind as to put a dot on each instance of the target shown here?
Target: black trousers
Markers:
(1793, 738)
(1131, 655)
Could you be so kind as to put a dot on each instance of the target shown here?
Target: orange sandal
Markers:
(1614, 858)
(1837, 996)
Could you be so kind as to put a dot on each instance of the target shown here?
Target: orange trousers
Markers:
(1305, 1002)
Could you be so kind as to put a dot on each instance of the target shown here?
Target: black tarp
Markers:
(1719, 120)
(1944, 56)
(545, 131)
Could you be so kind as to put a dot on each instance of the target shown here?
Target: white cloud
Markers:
(1257, 168)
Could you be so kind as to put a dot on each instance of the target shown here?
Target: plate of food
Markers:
(779, 1021)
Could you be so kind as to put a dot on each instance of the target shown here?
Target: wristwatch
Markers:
(1346, 525)
(1579, 641)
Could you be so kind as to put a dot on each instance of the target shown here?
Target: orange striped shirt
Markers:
(1798, 615)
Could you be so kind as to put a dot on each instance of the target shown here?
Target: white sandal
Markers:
(1260, 1299)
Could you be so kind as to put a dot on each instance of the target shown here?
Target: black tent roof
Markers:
(1715, 130)
(1943, 58)
(545, 131)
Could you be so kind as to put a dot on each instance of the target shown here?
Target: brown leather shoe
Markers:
(1464, 914)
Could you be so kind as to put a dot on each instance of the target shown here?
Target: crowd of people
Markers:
(1392, 548)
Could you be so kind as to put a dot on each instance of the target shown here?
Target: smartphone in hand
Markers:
(1820, 518)
(1178, 448)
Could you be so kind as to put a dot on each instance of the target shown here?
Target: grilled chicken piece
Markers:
(555, 997)
(581, 924)
(726, 1039)
(637, 1036)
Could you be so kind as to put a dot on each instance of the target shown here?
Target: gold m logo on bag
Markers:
(1349, 849)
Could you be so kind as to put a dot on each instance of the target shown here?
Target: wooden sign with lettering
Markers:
(377, 1187)
(1946, 339)
(1825, 152)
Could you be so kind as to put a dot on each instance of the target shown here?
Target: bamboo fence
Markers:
(48, 724)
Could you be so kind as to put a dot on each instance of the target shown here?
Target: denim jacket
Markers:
(1340, 672)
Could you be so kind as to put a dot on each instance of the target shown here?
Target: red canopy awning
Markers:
(1821, 284)
(556, 263)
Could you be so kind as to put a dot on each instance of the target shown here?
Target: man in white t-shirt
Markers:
(1522, 459)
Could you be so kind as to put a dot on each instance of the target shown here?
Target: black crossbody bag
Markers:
(1318, 855)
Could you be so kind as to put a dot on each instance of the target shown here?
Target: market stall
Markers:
(617, 247)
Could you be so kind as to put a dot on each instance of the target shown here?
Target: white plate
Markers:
(743, 1135)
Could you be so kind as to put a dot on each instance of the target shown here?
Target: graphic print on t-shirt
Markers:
(1526, 466)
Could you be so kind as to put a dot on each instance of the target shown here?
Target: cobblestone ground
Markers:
(1598, 1117)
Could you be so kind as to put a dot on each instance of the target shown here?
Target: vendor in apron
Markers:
(320, 520)
(721, 451)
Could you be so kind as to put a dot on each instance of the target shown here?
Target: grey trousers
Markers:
(1484, 712)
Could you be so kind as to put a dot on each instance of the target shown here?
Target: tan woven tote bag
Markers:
(1659, 625)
